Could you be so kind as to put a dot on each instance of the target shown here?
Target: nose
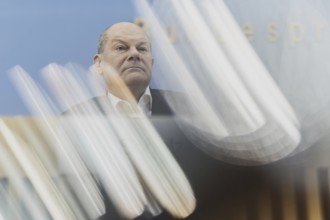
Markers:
(134, 54)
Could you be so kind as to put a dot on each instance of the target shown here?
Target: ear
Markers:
(97, 64)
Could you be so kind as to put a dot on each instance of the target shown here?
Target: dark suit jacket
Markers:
(159, 104)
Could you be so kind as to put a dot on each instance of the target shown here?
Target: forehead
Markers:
(127, 33)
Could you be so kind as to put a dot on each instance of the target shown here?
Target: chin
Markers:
(136, 79)
(137, 83)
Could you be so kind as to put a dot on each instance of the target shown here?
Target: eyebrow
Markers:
(117, 40)
(123, 42)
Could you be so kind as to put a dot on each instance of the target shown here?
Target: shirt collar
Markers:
(144, 103)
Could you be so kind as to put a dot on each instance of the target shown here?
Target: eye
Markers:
(120, 47)
(143, 49)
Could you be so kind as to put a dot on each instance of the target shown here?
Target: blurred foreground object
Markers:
(125, 154)
(234, 111)
(292, 189)
(43, 152)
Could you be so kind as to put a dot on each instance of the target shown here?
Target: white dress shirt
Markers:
(120, 105)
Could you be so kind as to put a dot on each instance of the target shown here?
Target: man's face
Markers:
(127, 50)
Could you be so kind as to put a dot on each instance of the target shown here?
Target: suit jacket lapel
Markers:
(159, 105)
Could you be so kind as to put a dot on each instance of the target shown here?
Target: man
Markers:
(124, 52)
(124, 60)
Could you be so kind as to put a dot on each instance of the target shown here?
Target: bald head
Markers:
(104, 37)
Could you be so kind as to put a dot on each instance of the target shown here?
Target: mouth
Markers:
(134, 67)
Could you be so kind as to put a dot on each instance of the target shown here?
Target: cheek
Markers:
(115, 63)
(114, 60)
(149, 63)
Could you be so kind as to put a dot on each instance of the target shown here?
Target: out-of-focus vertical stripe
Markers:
(313, 202)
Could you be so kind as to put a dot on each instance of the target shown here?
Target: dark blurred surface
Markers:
(296, 187)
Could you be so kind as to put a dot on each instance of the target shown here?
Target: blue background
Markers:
(36, 33)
